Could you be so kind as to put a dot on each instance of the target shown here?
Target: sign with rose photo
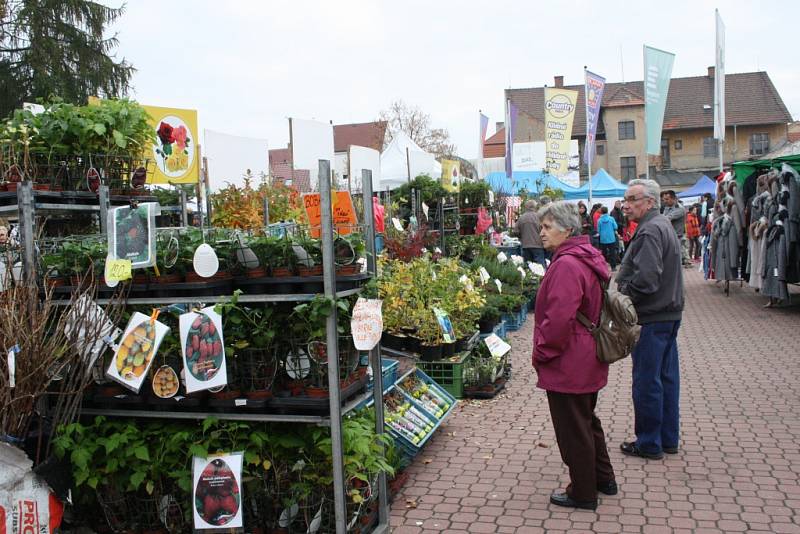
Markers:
(175, 148)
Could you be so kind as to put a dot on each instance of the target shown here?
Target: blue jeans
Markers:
(656, 387)
(535, 255)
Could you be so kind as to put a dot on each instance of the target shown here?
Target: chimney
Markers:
(559, 81)
(711, 72)
(499, 125)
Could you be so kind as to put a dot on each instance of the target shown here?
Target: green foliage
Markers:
(58, 47)
(431, 191)
(474, 194)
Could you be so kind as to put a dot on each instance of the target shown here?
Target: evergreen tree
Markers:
(57, 48)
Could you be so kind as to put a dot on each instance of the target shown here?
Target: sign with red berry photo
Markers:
(217, 491)
(203, 350)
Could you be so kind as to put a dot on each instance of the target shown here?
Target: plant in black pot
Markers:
(430, 338)
(489, 319)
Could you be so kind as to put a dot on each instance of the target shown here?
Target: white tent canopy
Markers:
(395, 163)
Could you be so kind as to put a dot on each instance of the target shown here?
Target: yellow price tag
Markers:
(118, 270)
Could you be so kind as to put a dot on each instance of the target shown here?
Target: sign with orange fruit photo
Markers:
(134, 354)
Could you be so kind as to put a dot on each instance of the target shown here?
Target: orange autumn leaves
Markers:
(243, 207)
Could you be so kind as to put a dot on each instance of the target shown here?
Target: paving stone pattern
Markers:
(492, 466)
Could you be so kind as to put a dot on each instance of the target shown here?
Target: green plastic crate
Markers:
(447, 373)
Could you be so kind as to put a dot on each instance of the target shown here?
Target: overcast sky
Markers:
(248, 65)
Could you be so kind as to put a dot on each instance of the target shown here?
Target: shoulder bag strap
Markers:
(581, 317)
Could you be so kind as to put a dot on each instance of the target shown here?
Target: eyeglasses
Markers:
(632, 199)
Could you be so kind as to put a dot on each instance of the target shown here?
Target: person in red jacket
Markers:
(693, 233)
(627, 233)
(565, 354)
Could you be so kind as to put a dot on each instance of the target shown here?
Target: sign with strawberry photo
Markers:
(203, 350)
(217, 490)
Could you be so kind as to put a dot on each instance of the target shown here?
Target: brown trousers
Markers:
(581, 442)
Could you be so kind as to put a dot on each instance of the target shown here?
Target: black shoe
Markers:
(670, 450)
(562, 499)
(630, 448)
(608, 488)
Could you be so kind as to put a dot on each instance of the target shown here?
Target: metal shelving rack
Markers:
(334, 420)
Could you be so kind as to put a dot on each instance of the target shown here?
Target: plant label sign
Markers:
(536, 269)
(396, 224)
(203, 350)
(118, 270)
(366, 325)
(425, 209)
(131, 234)
(497, 347)
(499, 285)
(205, 261)
(344, 215)
(217, 491)
(501, 257)
(444, 323)
(522, 272)
(134, 354)
(484, 274)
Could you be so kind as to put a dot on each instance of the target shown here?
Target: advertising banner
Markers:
(559, 112)
(451, 175)
(594, 97)
(657, 73)
(719, 82)
(175, 148)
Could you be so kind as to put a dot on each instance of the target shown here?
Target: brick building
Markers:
(756, 123)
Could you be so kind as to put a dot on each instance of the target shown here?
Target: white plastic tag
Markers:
(522, 272)
(499, 285)
(425, 209)
(501, 257)
(497, 347)
(12, 365)
(205, 261)
(484, 274)
(397, 225)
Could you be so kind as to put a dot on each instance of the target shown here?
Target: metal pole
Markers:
(586, 145)
(375, 353)
(266, 211)
(646, 155)
(184, 213)
(102, 195)
(26, 231)
(720, 145)
(207, 187)
(329, 281)
(408, 165)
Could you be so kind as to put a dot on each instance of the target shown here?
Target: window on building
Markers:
(710, 147)
(627, 130)
(627, 166)
(759, 144)
(601, 150)
(665, 159)
(678, 144)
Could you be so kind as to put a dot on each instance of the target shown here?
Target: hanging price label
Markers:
(499, 285)
(118, 270)
(484, 274)
(425, 210)
(397, 225)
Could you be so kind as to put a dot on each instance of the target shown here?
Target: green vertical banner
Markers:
(657, 73)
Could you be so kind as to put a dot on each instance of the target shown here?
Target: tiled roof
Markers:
(367, 134)
(495, 146)
(750, 98)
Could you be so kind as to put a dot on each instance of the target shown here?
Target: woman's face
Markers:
(551, 235)
(3, 235)
(581, 209)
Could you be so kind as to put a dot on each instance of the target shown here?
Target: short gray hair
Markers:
(564, 216)
(544, 200)
(530, 205)
(652, 189)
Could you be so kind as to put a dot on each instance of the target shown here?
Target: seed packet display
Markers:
(135, 352)
(217, 491)
(203, 350)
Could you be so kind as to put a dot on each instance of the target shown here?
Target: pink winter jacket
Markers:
(564, 353)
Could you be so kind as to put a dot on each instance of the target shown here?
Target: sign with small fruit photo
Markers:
(134, 354)
(203, 350)
(217, 491)
(131, 234)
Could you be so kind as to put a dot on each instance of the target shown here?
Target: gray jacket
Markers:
(528, 228)
(651, 273)
(677, 216)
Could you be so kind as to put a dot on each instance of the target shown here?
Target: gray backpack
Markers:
(617, 331)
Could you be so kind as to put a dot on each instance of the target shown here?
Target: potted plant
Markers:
(284, 261)
(430, 338)
(313, 265)
(490, 316)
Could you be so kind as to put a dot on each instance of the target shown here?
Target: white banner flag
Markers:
(719, 81)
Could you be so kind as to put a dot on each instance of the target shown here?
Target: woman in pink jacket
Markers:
(565, 355)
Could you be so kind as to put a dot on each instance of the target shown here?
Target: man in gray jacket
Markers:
(528, 228)
(676, 213)
(652, 277)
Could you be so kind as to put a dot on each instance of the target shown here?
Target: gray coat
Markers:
(677, 216)
(773, 282)
(651, 273)
(528, 228)
(726, 251)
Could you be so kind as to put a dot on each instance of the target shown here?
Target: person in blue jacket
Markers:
(609, 246)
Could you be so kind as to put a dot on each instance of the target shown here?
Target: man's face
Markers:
(3, 235)
(635, 203)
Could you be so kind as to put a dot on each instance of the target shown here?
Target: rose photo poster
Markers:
(217, 491)
(134, 354)
(203, 350)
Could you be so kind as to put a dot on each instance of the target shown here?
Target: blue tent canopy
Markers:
(704, 185)
(603, 186)
(531, 181)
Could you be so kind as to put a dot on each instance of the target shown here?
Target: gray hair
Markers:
(564, 216)
(652, 189)
(530, 205)
(545, 200)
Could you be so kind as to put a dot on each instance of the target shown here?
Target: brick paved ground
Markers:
(492, 467)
